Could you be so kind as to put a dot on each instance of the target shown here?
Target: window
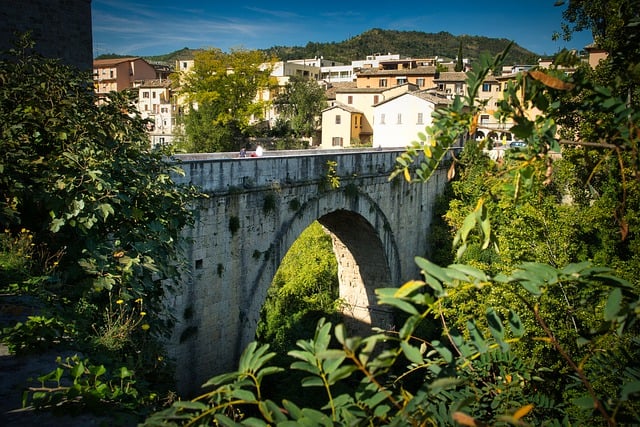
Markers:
(336, 141)
(161, 140)
(459, 88)
(441, 86)
(375, 99)
(145, 94)
(420, 82)
(401, 80)
(382, 82)
(153, 95)
(420, 119)
(350, 99)
(486, 87)
(110, 73)
(184, 65)
(498, 88)
(338, 119)
(399, 118)
(484, 118)
(382, 119)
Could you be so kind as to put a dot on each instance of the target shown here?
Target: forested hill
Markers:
(414, 44)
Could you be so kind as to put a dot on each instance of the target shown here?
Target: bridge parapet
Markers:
(224, 172)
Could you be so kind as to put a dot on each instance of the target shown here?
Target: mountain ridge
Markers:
(416, 44)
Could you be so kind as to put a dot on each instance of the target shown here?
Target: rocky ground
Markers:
(15, 372)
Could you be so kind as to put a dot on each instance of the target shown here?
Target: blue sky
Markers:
(155, 27)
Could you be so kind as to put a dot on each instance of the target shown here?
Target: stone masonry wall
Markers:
(257, 208)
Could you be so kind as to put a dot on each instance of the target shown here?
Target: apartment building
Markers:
(451, 83)
(119, 74)
(390, 73)
(340, 73)
(156, 103)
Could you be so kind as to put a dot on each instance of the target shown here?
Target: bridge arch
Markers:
(365, 250)
(255, 210)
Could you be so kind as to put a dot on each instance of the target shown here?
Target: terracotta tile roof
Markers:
(451, 76)
(330, 92)
(154, 83)
(344, 107)
(113, 61)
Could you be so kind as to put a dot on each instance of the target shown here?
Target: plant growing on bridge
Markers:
(331, 178)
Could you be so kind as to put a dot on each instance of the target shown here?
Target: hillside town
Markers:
(382, 101)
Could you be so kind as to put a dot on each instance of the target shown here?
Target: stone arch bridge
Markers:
(256, 209)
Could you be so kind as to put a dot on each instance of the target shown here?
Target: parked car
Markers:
(517, 144)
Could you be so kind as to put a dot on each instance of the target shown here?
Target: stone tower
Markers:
(60, 28)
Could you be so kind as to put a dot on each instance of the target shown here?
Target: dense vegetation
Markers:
(299, 297)
(90, 222)
(415, 44)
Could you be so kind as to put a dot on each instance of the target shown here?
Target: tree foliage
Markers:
(221, 90)
(103, 214)
(304, 289)
(302, 103)
(459, 64)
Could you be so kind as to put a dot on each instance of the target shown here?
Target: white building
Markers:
(397, 121)
(155, 102)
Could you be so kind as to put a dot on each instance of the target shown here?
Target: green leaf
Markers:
(341, 373)
(312, 382)
(105, 209)
(629, 388)
(614, 305)
(496, 328)
(444, 384)
(412, 353)
(77, 370)
(443, 351)
(515, 324)
(476, 337)
(400, 304)
(586, 402)
(245, 395)
(188, 404)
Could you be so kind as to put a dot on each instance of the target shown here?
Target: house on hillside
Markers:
(341, 126)
(398, 120)
(358, 104)
(118, 74)
(451, 83)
